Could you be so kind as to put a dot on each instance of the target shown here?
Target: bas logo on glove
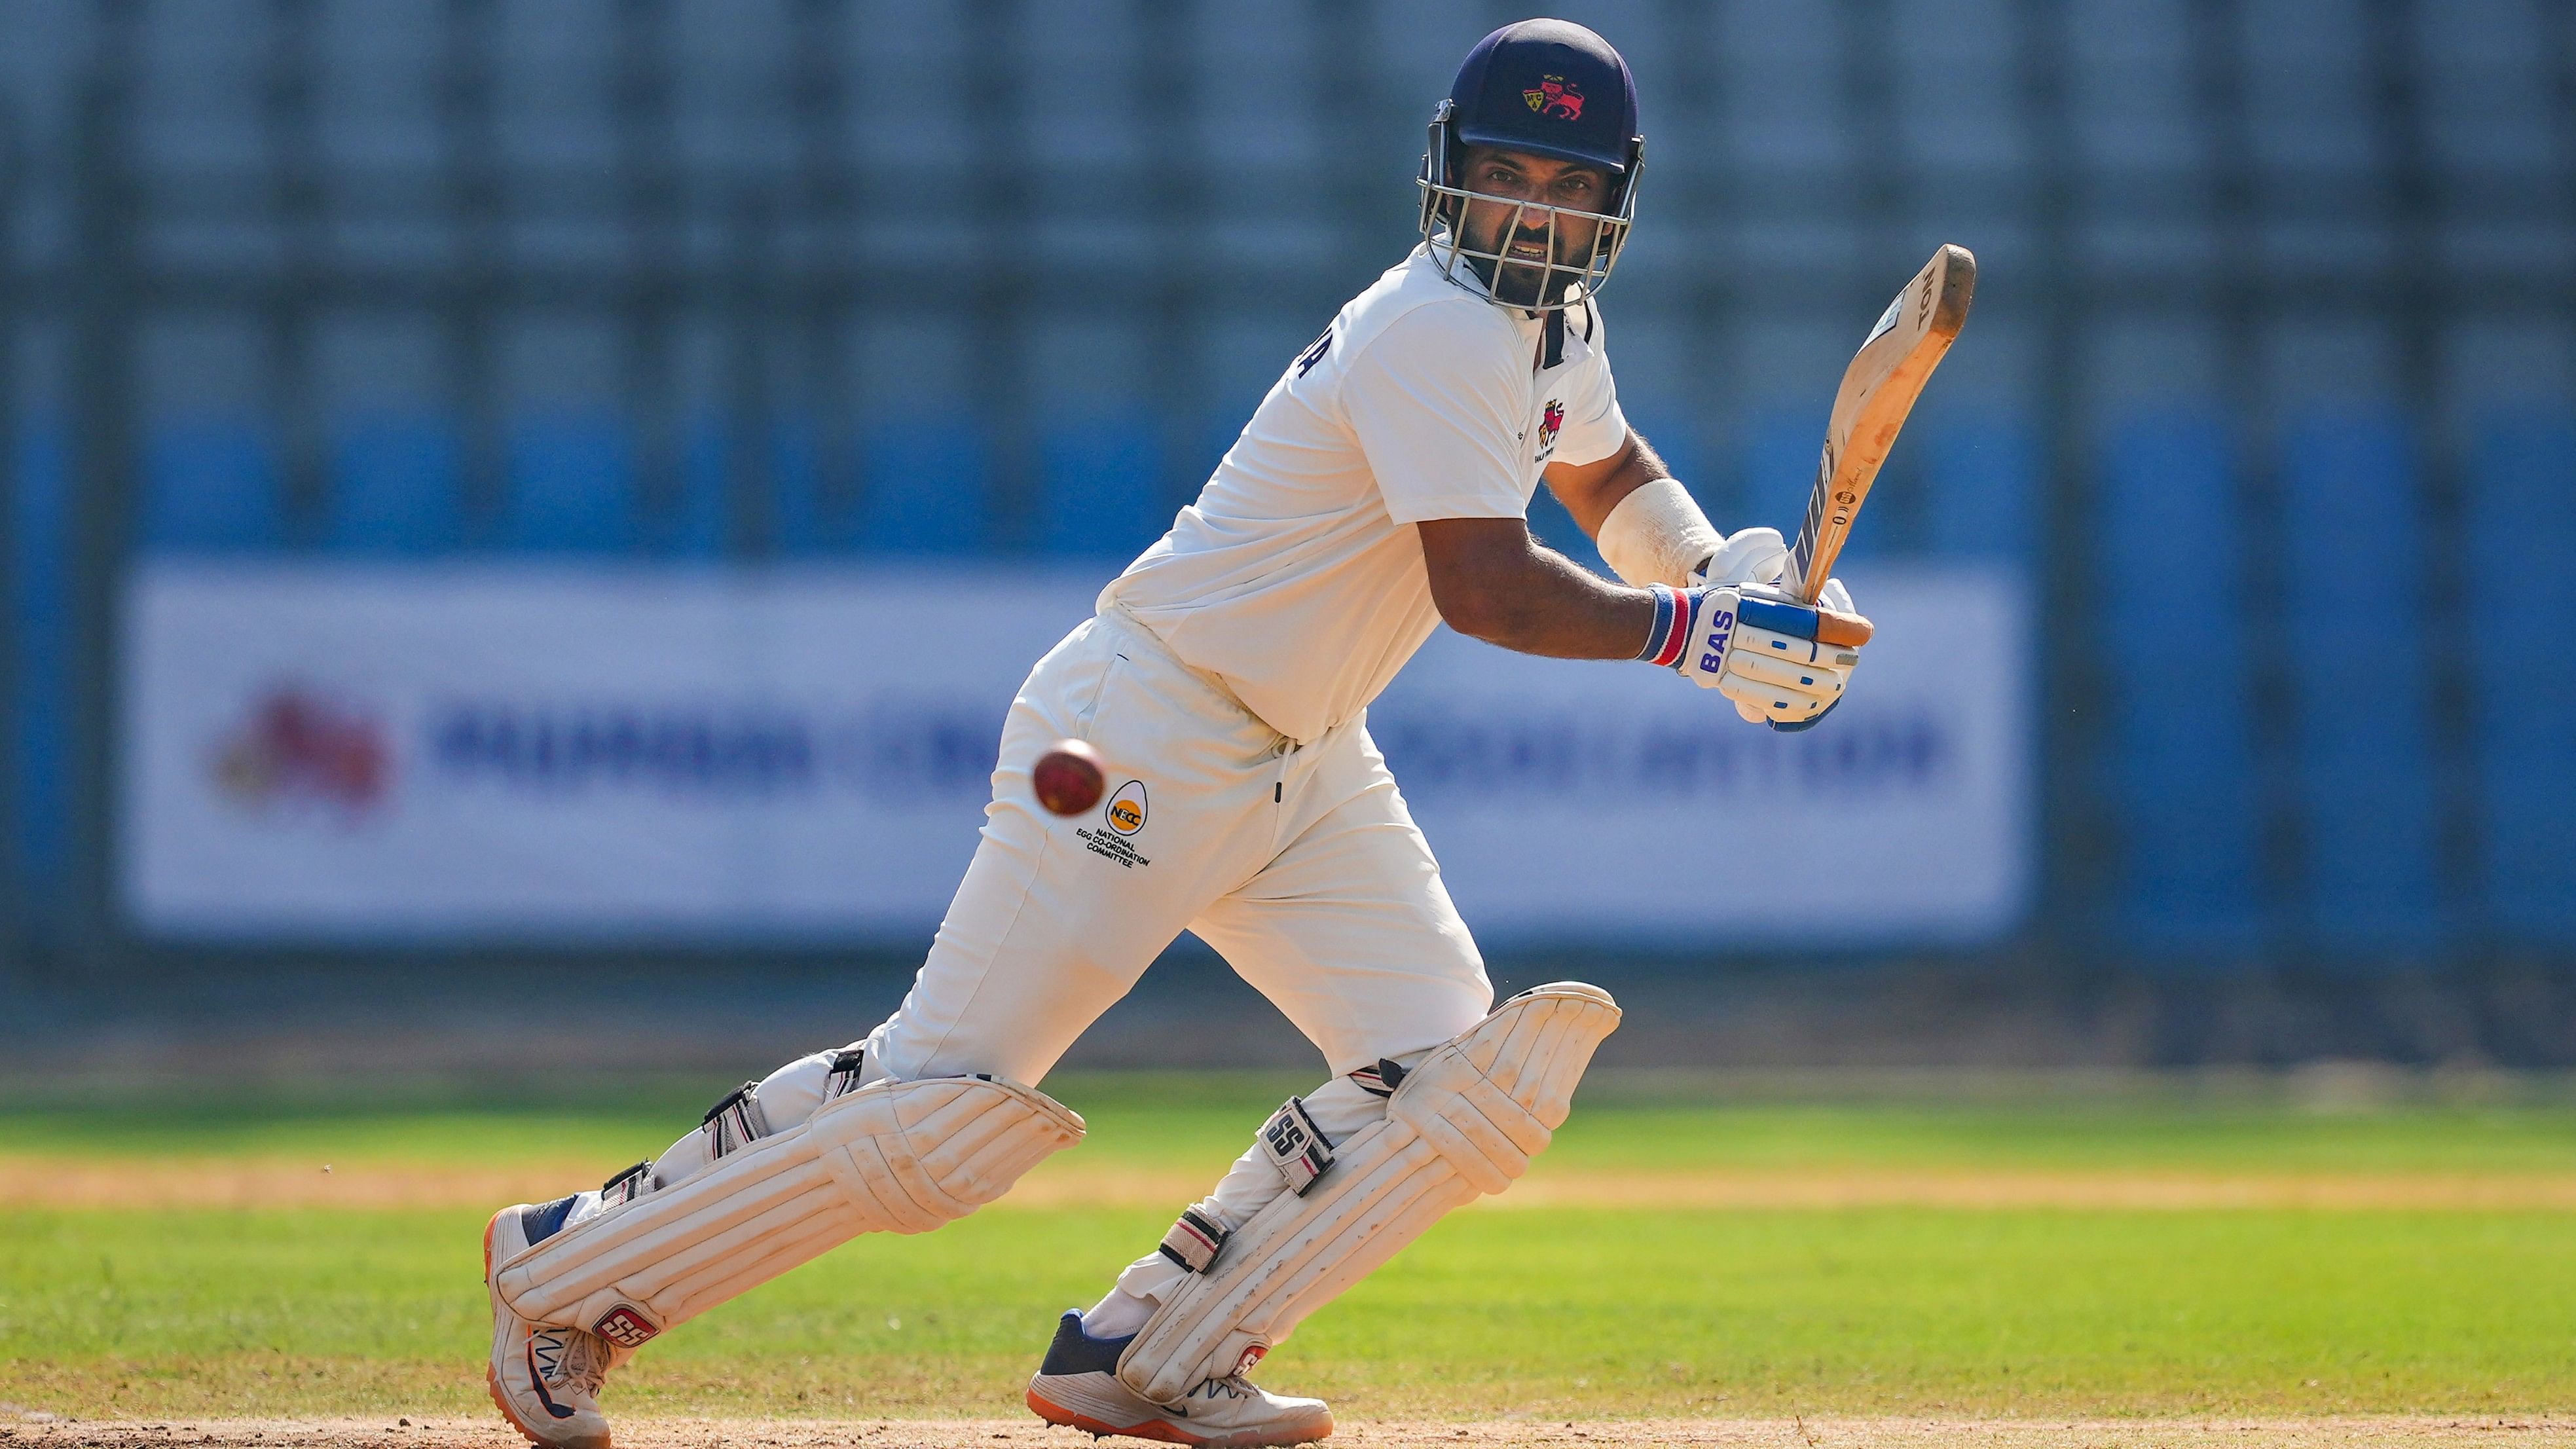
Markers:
(1714, 632)
(1783, 663)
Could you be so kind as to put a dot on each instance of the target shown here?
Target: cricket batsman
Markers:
(1379, 489)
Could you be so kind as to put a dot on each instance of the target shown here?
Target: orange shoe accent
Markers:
(1068, 1419)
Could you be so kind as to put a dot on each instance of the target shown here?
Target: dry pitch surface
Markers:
(2429, 1432)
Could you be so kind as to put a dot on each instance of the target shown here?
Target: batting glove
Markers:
(1757, 646)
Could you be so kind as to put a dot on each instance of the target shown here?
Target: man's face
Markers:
(1512, 227)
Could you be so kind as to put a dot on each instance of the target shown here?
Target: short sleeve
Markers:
(1437, 408)
(1594, 427)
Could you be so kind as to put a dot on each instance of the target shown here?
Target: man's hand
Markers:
(1492, 582)
(1757, 646)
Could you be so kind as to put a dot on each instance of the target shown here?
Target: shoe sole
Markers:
(1157, 1429)
(1150, 1429)
(492, 1375)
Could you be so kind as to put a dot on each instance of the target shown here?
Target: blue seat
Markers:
(928, 486)
(808, 522)
(701, 519)
(36, 604)
(1672, 432)
(1780, 450)
(2181, 774)
(2352, 569)
(700, 523)
(2522, 526)
(1101, 487)
(1982, 474)
(210, 486)
(395, 487)
(572, 485)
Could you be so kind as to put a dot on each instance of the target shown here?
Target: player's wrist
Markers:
(1671, 628)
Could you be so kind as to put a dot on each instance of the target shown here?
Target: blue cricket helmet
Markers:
(1549, 88)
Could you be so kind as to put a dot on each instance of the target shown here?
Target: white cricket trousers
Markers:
(1297, 862)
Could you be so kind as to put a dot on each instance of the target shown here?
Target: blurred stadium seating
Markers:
(2268, 394)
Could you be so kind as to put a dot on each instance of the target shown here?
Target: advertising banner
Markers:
(557, 753)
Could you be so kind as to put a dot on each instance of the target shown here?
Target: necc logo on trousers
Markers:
(1126, 809)
(1721, 626)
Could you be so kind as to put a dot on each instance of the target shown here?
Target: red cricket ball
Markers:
(1069, 777)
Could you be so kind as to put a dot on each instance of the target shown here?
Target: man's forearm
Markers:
(1497, 584)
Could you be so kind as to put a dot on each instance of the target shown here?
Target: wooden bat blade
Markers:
(1878, 391)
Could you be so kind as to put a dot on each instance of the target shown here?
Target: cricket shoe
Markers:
(545, 1379)
(1077, 1387)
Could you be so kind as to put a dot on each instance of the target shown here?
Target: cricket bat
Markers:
(1878, 390)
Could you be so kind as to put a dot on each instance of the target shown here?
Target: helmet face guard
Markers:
(1542, 88)
(1496, 275)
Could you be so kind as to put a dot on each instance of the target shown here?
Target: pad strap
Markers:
(1194, 1241)
(734, 1122)
(626, 1186)
(1380, 1080)
(849, 1072)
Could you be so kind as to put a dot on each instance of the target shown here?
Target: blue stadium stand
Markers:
(2353, 570)
(1101, 487)
(396, 488)
(808, 522)
(1780, 450)
(2522, 581)
(210, 486)
(1672, 432)
(1981, 472)
(928, 485)
(697, 525)
(35, 597)
(571, 486)
(2182, 758)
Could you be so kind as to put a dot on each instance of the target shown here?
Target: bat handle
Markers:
(1848, 630)
(1804, 621)
(1806, 569)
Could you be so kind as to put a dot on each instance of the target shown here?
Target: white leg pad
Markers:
(898, 1157)
(1464, 1122)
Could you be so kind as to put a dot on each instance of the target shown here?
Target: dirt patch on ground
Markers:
(2427, 1432)
(62, 1182)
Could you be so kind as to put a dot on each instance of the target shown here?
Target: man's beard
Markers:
(1526, 283)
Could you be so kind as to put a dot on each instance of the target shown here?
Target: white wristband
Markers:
(1657, 535)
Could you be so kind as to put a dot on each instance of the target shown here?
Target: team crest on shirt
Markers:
(1549, 422)
(1553, 97)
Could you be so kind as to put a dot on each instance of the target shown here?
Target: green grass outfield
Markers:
(1617, 1308)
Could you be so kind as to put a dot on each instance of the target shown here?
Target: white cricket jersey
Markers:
(1297, 576)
